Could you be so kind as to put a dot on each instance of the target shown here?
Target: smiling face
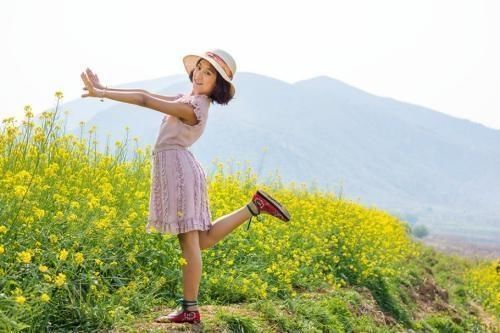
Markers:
(204, 78)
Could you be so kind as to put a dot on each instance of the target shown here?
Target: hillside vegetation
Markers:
(74, 254)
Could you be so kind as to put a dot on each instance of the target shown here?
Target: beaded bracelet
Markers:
(103, 92)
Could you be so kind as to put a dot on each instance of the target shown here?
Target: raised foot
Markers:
(269, 205)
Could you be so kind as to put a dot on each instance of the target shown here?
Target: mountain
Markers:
(422, 165)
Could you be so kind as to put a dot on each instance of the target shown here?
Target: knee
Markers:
(189, 241)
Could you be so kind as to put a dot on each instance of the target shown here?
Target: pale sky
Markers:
(441, 54)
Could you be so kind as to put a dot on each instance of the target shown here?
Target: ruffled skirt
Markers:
(178, 201)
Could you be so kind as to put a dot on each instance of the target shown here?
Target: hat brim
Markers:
(190, 61)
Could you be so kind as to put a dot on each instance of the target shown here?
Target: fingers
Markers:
(92, 75)
(91, 82)
(88, 85)
(85, 80)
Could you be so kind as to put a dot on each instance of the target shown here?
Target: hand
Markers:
(94, 79)
(93, 91)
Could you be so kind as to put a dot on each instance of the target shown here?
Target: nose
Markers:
(197, 76)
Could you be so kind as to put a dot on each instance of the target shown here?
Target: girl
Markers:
(179, 202)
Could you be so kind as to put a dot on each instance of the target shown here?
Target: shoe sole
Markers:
(276, 205)
(167, 321)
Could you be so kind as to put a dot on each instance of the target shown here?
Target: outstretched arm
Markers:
(142, 98)
(95, 90)
(94, 80)
(131, 97)
(163, 97)
(183, 111)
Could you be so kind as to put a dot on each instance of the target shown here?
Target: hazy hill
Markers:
(425, 166)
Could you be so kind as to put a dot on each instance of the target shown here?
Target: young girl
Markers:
(179, 203)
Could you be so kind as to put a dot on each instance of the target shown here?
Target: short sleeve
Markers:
(200, 104)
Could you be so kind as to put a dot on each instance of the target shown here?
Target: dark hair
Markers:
(220, 94)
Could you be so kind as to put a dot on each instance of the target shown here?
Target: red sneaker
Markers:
(268, 205)
(183, 316)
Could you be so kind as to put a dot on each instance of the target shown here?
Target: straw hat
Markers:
(220, 59)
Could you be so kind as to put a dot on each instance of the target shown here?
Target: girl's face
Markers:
(204, 76)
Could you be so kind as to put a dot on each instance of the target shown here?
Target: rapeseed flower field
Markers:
(74, 252)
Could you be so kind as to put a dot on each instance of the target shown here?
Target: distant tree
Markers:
(420, 231)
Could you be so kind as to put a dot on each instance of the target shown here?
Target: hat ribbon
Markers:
(222, 63)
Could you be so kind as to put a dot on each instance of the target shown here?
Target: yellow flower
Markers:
(63, 255)
(53, 238)
(59, 215)
(60, 279)
(59, 94)
(20, 299)
(43, 268)
(20, 190)
(28, 111)
(182, 261)
(24, 256)
(39, 213)
(44, 297)
(2, 250)
(3, 229)
(79, 258)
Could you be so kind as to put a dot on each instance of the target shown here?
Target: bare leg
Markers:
(194, 241)
(191, 273)
(224, 225)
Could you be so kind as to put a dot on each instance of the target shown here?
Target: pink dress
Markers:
(179, 199)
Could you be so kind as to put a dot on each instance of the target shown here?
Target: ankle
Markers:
(254, 207)
(189, 305)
